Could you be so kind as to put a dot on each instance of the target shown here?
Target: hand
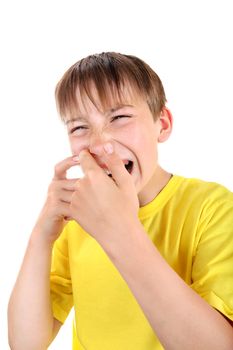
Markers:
(102, 205)
(56, 210)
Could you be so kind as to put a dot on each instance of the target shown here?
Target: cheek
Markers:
(132, 134)
(77, 145)
(146, 145)
(143, 140)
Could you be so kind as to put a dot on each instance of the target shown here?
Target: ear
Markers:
(166, 123)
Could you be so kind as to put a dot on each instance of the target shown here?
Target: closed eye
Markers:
(78, 128)
(117, 117)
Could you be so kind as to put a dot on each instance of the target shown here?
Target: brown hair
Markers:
(108, 72)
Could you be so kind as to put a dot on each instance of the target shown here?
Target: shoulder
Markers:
(207, 192)
(210, 204)
(213, 204)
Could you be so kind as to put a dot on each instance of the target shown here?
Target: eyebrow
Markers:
(111, 110)
(83, 118)
(77, 119)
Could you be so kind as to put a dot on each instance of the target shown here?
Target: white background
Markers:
(188, 43)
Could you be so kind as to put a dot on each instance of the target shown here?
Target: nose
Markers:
(97, 141)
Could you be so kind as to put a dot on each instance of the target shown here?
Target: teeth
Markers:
(126, 164)
(107, 171)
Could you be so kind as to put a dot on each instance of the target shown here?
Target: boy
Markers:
(144, 256)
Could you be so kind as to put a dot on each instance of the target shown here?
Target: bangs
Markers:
(103, 94)
(103, 79)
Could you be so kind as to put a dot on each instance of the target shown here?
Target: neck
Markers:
(158, 181)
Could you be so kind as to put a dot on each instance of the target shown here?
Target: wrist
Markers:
(40, 239)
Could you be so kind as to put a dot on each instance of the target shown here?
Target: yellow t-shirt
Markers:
(191, 224)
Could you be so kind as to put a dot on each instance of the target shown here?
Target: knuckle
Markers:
(60, 166)
(57, 168)
(51, 199)
(52, 186)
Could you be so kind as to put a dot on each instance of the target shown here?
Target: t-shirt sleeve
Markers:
(60, 279)
(212, 272)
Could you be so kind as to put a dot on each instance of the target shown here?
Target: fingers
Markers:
(113, 162)
(60, 195)
(67, 184)
(56, 209)
(58, 203)
(88, 163)
(62, 189)
(64, 210)
(65, 196)
(62, 167)
(117, 168)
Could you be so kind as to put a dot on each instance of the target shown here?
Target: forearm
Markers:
(180, 317)
(29, 312)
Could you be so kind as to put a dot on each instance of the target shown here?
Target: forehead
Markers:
(108, 101)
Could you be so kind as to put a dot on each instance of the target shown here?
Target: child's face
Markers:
(131, 129)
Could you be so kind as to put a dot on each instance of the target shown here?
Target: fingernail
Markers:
(76, 159)
(108, 147)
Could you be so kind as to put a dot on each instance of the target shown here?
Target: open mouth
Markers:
(128, 166)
